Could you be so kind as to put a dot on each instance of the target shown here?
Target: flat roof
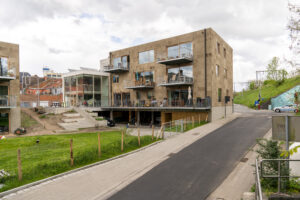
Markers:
(89, 72)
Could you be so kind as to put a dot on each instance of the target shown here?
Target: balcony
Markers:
(142, 84)
(7, 75)
(8, 101)
(116, 69)
(166, 104)
(180, 81)
(181, 59)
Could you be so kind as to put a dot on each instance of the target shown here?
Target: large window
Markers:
(146, 57)
(121, 62)
(181, 50)
(3, 66)
(180, 74)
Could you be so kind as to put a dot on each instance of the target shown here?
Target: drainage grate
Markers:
(244, 160)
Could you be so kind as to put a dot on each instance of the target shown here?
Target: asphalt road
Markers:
(197, 170)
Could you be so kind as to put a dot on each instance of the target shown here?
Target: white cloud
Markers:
(73, 33)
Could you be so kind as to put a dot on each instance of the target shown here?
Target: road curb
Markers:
(14, 190)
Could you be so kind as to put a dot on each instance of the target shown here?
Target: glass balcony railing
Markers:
(166, 103)
(116, 69)
(181, 80)
(8, 101)
(140, 84)
(7, 74)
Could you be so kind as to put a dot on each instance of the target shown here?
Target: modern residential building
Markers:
(86, 87)
(10, 116)
(48, 73)
(183, 76)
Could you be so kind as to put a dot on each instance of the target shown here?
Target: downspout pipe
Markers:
(205, 65)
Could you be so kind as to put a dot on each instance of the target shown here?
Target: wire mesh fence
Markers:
(44, 156)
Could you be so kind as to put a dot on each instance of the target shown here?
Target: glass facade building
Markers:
(87, 90)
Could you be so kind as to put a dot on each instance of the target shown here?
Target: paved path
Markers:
(197, 170)
(101, 181)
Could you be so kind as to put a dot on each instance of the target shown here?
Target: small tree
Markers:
(272, 69)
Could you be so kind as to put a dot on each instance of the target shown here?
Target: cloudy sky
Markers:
(66, 34)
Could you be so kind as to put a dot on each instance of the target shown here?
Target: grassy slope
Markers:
(267, 92)
(51, 155)
(27, 121)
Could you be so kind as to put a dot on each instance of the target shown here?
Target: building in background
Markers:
(10, 113)
(48, 73)
(85, 87)
(46, 92)
(183, 76)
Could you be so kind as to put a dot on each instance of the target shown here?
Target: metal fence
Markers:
(280, 171)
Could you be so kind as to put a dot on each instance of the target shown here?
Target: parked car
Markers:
(286, 108)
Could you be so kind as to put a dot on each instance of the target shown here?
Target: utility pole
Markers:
(38, 89)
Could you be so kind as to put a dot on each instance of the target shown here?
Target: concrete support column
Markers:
(138, 118)
(152, 118)
(111, 115)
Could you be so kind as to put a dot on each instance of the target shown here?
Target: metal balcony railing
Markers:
(8, 101)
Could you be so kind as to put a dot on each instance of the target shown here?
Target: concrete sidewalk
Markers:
(101, 181)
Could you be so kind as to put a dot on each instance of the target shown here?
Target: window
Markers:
(217, 70)
(218, 47)
(125, 62)
(181, 50)
(3, 66)
(224, 52)
(117, 62)
(116, 79)
(225, 73)
(146, 57)
(149, 95)
(219, 94)
(138, 96)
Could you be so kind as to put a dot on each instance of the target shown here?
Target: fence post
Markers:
(181, 125)
(19, 165)
(193, 121)
(152, 132)
(139, 139)
(99, 145)
(162, 130)
(71, 152)
(122, 141)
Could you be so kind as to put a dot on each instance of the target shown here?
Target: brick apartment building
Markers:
(10, 116)
(169, 79)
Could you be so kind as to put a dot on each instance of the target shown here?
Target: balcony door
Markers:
(3, 66)
(4, 96)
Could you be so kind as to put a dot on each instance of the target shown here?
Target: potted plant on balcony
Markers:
(10, 73)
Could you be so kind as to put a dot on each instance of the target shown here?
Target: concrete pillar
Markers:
(111, 115)
(152, 117)
(138, 118)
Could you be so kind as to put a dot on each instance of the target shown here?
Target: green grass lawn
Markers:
(52, 155)
(268, 91)
(188, 127)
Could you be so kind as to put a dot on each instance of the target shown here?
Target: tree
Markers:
(294, 29)
(272, 69)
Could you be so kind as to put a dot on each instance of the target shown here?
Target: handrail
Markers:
(258, 191)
